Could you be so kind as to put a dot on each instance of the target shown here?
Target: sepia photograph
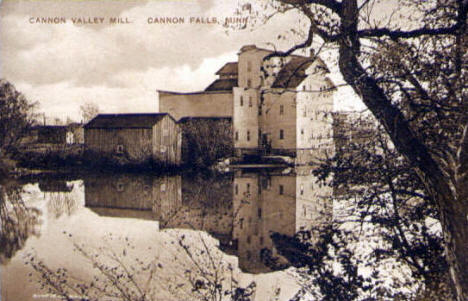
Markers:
(233, 150)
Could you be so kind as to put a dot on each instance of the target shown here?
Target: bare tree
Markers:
(89, 110)
(196, 272)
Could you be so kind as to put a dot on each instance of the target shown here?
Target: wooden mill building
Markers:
(137, 137)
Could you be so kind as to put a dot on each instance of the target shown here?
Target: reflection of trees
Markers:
(206, 205)
(61, 204)
(189, 270)
(388, 227)
(17, 220)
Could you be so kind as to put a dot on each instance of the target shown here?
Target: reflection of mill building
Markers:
(285, 204)
(241, 211)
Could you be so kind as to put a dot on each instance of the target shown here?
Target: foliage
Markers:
(409, 68)
(76, 156)
(382, 218)
(199, 273)
(205, 141)
(16, 118)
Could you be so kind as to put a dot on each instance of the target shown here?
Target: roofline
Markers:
(130, 114)
(55, 126)
(127, 114)
(192, 93)
(291, 55)
(218, 72)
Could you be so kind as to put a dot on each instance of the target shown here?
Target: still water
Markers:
(177, 237)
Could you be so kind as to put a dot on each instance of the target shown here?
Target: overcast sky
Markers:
(119, 67)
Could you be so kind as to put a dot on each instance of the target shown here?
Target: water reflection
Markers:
(275, 203)
(18, 221)
(242, 209)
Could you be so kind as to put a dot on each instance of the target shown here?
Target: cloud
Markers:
(119, 66)
(131, 92)
(45, 54)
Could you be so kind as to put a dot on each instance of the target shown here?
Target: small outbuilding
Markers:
(137, 137)
(75, 133)
(49, 134)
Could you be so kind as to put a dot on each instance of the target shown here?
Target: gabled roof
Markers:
(118, 121)
(228, 69)
(293, 73)
(222, 84)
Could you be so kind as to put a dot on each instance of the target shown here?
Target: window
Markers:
(281, 189)
(241, 223)
(249, 239)
(302, 189)
(241, 101)
(248, 187)
(302, 131)
(249, 83)
(249, 66)
(237, 136)
(248, 135)
(281, 109)
(120, 187)
(261, 240)
(281, 135)
(120, 149)
(259, 110)
(304, 113)
(250, 101)
(236, 189)
(259, 212)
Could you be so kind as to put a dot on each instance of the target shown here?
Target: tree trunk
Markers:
(455, 229)
(452, 203)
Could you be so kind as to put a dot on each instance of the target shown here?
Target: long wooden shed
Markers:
(138, 137)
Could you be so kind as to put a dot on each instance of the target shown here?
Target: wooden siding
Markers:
(162, 142)
(123, 192)
(167, 141)
(161, 195)
(167, 196)
(136, 142)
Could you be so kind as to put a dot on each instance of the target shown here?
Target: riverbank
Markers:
(76, 158)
